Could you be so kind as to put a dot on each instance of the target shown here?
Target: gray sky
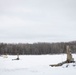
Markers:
(29, 21)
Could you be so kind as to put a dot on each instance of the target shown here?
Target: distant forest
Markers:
(36, 48)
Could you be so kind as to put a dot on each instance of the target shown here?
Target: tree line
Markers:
(36, 48)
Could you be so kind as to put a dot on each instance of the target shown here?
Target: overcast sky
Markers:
(29, 21)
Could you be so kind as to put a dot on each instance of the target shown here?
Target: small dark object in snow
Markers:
(74, 65)
(17, 57)
(67, 65)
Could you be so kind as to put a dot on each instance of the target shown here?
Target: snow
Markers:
(36, 65)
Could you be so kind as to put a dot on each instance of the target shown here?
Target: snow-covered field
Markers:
(36, 65)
